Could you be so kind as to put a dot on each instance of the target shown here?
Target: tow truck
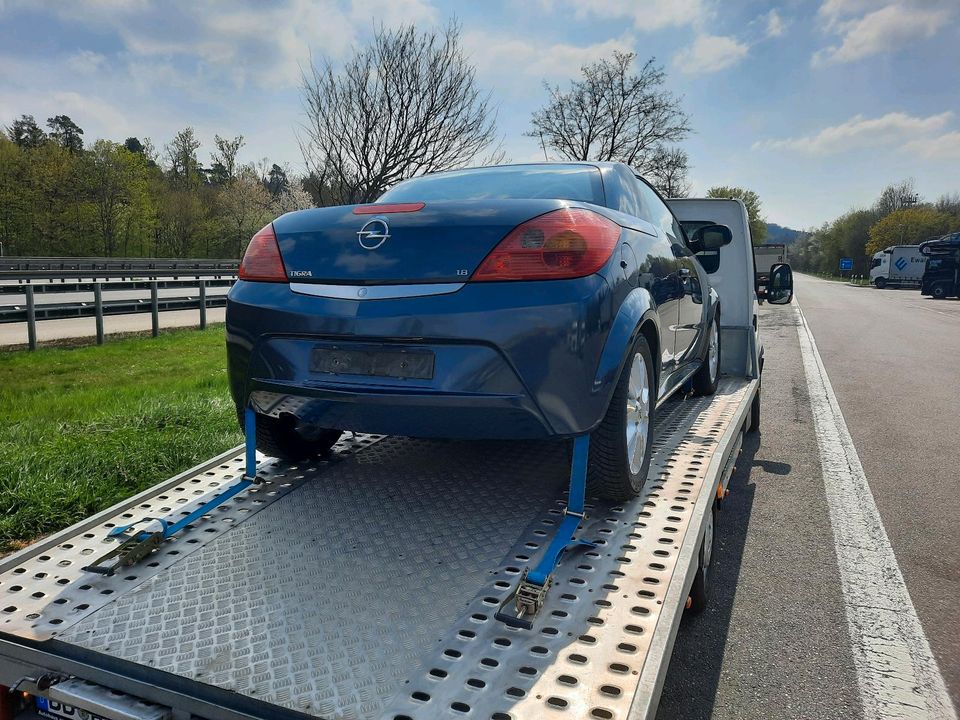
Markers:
(367, 584)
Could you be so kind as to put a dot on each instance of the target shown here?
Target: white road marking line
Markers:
(896, 670)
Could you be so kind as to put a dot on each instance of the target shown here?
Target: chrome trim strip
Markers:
(375, 292)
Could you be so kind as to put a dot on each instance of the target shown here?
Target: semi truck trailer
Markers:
(766, 256)
(897, 266)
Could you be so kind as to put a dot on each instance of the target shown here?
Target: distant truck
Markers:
(765, 257)
(941, 277)
(898, 266)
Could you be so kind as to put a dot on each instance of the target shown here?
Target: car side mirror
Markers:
(709, 237)
(780, 285)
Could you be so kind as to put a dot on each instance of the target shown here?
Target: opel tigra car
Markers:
(519, 301)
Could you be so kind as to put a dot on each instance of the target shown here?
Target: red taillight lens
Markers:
(262, 261)
(567, 243)
(388, 208)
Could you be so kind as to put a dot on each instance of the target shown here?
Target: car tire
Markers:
(708, 376)
(700, 589)
(616, 470)
(939, 291)
(880, 283)
(279, 438)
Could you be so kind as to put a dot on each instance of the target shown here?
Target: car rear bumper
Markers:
(511, 360)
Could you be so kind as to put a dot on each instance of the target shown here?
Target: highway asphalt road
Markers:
(775, 641)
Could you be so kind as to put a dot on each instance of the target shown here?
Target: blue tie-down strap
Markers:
(167, 527)
(522, 605)
(250, 445)
(140, 538)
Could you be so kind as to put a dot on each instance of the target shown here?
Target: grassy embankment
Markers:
(82, 428)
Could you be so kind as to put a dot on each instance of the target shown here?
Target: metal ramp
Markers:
(366, 587)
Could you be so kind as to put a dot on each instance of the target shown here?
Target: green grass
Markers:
(82, 428)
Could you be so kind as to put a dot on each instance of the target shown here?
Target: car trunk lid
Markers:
(444, 241)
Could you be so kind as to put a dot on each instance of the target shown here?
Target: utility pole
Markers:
(544, 146)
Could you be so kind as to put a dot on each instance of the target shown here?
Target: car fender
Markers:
(637, 308)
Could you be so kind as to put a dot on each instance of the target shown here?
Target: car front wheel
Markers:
(620, 447)
(707, 377)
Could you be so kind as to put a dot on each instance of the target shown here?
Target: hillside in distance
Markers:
(780, 234)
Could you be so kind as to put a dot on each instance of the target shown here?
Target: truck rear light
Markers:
(562, 244)
(262, 262)
(376, 209)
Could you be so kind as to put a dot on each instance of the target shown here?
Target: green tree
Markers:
(66, 133)
(26, 133)
(181, 154)
(909, 226)
(758, 223)
(223, 161)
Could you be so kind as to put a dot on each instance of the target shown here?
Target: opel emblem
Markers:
(373, 234)
(362, 292)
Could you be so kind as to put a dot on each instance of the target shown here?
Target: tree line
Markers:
(900, 216)
(405, 104)
(59, 197)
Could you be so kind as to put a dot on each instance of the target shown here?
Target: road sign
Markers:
(846, 263)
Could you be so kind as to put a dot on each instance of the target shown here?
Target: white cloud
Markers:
(892, 129)
(869, 28)
(775, 24)
(941, 147)
(709, 54)
(86, 62)
(514, 65)
(263, 43)
(646, 16)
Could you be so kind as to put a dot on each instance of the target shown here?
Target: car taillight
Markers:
(567, 243)
(262, 261)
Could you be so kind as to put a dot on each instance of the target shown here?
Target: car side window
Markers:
(658, 213)
(630, 201)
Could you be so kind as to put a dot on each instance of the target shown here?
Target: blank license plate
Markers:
(417, 364)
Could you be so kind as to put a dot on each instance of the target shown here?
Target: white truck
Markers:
(366, 584)
(898, 266)
(766, 256)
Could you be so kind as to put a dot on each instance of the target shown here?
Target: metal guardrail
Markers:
(29, 276)
(80, 287)
(29, 268)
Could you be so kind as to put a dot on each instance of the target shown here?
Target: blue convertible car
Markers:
(518, 301)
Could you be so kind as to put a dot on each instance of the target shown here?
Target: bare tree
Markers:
(896, 197)
(405, 105)
(612, 114)
(667, 170)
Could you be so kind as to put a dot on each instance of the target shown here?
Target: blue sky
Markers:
(815, 104)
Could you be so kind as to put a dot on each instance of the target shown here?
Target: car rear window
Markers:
(562, 182)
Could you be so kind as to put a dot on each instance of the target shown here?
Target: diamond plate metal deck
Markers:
(370, 590)
(44, 590)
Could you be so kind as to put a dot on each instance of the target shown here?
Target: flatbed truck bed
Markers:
(368, 584)
(365, 585)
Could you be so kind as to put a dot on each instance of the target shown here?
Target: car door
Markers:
(690, 324)
(655, 266)
(669, 290)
